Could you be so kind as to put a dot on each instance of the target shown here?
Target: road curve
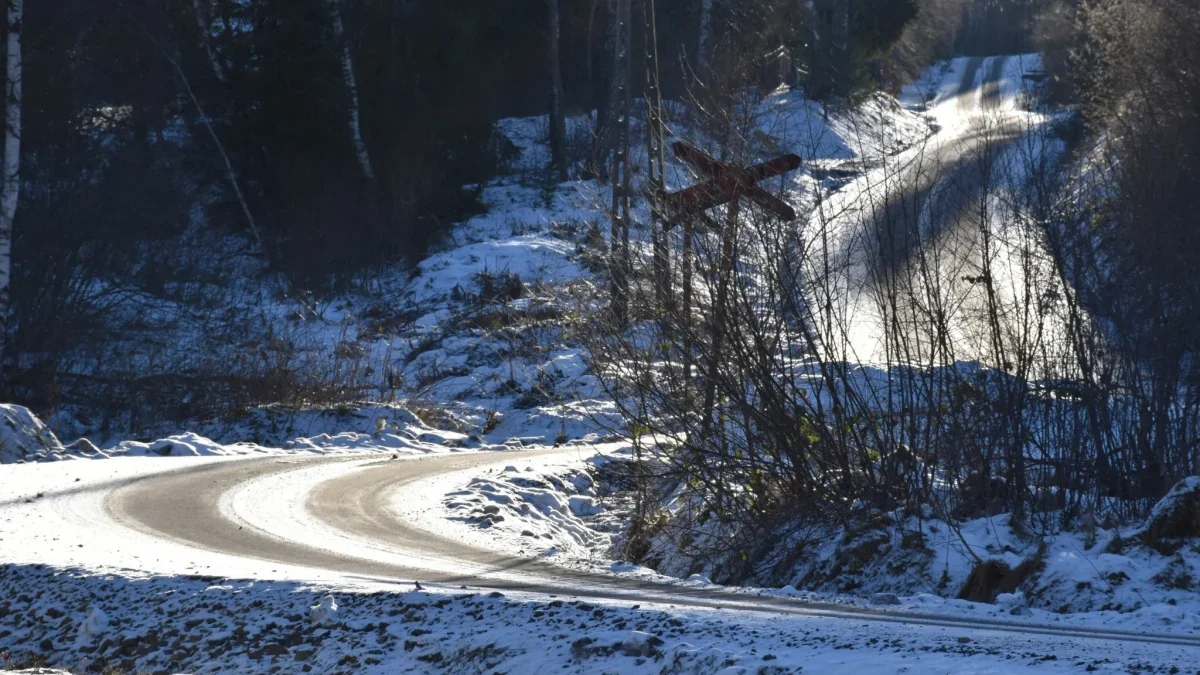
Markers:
(184, 506)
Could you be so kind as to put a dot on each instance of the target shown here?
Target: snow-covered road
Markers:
(335, 518)
(914, 237)
(340, 524)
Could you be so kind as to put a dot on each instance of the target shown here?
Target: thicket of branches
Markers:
(1028, 307)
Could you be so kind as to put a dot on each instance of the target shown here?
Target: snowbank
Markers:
(24, 438)
(369, 428)
(211, 625)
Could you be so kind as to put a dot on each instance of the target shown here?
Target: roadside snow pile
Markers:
(554, 507)
(374, 428)
(24, 438)
(214, 625)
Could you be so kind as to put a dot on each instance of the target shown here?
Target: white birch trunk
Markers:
(360, 145)
(705, 30)
(12, 158)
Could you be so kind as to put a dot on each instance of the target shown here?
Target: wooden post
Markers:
(686, 265)
(719, 311)
(727, 185)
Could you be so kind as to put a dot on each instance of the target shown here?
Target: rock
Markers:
(93, 626)
(23, 437)
(1176, 516)
(641, 644)
(84, 447)
(964, 639)
(46, 645)
(303, 654)
(324, 613)
(885, 599)
(275, 649)
(1021, 611)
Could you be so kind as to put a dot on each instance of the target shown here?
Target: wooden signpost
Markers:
(726, 185)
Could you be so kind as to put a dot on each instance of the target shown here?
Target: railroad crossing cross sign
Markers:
(726, 185)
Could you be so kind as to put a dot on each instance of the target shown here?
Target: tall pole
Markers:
(732, 211)
(622, 183)
(656, 156)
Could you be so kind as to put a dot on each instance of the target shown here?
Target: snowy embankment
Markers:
(558, 508)
(368, 428)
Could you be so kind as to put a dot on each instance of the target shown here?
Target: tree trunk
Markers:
(702, 45)
(12, 160)
(205, 26)
(621, 181)
(558, 122)
(360, 145)
(604, 95)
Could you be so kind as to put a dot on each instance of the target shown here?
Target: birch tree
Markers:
(12, 157)
(356, 136)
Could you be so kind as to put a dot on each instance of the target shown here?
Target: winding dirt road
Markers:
(916, 236)
(185, 506)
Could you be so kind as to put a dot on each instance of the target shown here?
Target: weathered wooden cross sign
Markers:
(726, 185)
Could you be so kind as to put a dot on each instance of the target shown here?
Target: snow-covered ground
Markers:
(210, 625)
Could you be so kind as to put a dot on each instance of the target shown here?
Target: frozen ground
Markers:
(226, 625)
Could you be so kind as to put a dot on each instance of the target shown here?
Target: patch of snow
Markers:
(324, 613)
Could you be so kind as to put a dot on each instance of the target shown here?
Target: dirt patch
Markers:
(993, 577)
(1175, 518)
